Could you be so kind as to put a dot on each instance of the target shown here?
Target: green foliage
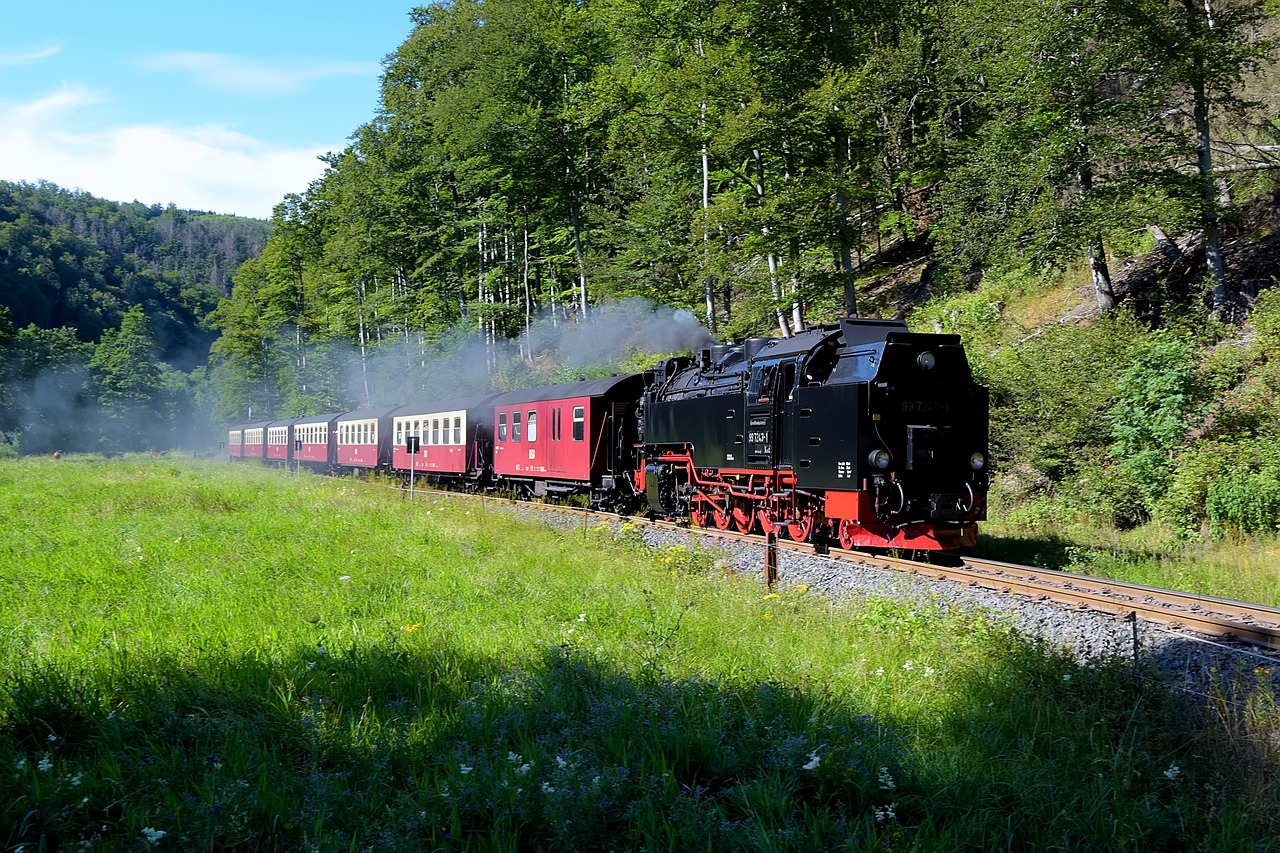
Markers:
(1157, 399)
(1049, 389)
(1244, 502)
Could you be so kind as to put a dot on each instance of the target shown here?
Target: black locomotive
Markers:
(859, 430)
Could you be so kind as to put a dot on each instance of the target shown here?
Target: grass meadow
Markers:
(198, 656)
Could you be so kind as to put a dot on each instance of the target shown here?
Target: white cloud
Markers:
(34, 54)
(238, 74)
(206, 167)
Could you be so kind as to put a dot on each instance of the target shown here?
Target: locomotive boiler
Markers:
(857, 431)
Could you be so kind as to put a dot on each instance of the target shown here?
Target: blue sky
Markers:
(219, 106)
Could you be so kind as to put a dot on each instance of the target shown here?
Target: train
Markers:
(857, 432)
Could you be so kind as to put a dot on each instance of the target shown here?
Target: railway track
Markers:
(1219, 618)
(1255, 624)
(1222, 619)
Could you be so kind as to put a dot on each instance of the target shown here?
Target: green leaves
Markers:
(1157, 399)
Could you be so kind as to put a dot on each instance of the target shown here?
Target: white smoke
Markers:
(614, 330)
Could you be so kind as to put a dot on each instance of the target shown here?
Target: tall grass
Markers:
(201, 656)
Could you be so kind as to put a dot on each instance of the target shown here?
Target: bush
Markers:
(1048, 390)
(1210, 490)
(1244, 502)
(1157, 398)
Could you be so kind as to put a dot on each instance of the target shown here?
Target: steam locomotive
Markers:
(858, 432)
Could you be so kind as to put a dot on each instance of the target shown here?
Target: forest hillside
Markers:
(549, 189)
(70, 259)
(103, 339)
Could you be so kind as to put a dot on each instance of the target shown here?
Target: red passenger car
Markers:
(280, 442)
(566, 439)
(318, 437)
(364, 439)
(455, 438)
(255, 441)
(235, 444)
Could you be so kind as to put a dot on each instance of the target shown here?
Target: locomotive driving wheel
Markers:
(699, 515)
(767, 523)
(744, 517)
(800, 529)
(721, 518)
(847, 533)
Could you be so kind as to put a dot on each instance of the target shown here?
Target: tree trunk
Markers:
(580, 254)
(1098, 269)
(1101, 275)
(1197, 17)
(846, 254)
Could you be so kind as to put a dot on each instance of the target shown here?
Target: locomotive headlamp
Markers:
(977, 461)
(878, 459)
(926, 360)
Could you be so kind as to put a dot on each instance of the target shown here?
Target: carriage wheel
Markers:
(743, 518)
(848, 530)
(800, 529)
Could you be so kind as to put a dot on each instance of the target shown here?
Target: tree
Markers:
(126, 378)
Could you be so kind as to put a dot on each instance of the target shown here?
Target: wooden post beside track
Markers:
(771, 560)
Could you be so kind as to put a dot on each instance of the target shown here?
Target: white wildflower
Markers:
(45, 764)
(1066, 677)
(886, 781)
(522, 769)
(320, 650)
(53, 738)
(814, 761)
(1174, 773)
(512, 757)
(311, 665)
(582, 617)
(561, 763)
(928, 670)
(908, 665)
(885, 813)
(20, 764)
(547, 789)
(464, 769)
(345, 579)
(879, 670)
(153, 835)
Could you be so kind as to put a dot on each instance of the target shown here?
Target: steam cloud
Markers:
(616, 329)
(460, 363)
